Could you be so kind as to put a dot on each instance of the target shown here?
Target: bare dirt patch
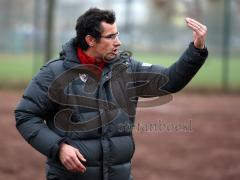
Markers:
(195, 136)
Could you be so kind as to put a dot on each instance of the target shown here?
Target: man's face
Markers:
(108, 45)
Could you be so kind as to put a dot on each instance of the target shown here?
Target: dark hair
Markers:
(90, 24)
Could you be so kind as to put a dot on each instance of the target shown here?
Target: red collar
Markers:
(85, 59)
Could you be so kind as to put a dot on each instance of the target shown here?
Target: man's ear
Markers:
(90, 40)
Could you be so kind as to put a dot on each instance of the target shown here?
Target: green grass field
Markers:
(17, 70)
(209, 76)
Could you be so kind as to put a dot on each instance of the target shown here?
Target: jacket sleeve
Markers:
(181, 72)
(31, 111)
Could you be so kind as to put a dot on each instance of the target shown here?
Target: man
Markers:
(73, 108)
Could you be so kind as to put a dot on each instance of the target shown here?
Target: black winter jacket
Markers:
(64, 98)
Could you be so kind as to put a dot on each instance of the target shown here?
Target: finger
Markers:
(192, 24)
(194, 27)
(67, 165)
(193, 21)
(197, 29)
(70, 166)
(78, 165)
(77, 162)
(80, 156)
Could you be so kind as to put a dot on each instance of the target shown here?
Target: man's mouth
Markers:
(115, 51)
(112, 54)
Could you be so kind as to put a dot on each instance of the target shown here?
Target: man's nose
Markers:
(117, 42)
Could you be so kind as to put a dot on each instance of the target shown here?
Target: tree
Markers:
(49, 29)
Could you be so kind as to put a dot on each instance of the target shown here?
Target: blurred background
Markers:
(33, 32)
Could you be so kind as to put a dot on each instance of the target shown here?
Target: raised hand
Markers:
(199, 32)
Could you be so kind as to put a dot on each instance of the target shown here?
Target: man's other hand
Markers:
(199, 32)
(71, 158)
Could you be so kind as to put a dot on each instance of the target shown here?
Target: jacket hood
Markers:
(69, 51)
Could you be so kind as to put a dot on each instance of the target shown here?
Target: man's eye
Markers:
(110, 36)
